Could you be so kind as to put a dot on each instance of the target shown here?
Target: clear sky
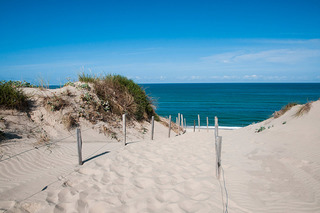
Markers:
(161, 41)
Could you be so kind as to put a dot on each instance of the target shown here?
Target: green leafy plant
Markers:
(260, 129)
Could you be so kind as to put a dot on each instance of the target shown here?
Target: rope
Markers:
(37, 147)
(225, 206)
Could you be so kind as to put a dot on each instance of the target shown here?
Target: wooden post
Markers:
(182, 123)
(124, 128)
(207, 124)
(185, 124)
(199, 122)
(218, 156)
(152, 127)
(79, 143)
(216, 126)
(194, 125)
(169, 126)
(178, 123)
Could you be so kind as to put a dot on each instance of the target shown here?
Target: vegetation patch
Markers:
(69, 121)
(303, 109)
(12, 97)
(120, 95)
(283, 110)
(260, 129)
(54, 103)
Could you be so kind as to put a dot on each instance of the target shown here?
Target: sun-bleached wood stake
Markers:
(79, 143)
(207, 124)
(199, 122)
(182, 123)
(124, 129)
(216, 126)
(185, 124)
(218, 155)
(178, 123)
(194, 125)
(169, 126)
(152, 127)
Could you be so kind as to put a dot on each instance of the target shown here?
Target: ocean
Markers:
(235, 104)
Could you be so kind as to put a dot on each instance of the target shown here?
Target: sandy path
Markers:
(173, 175)
(30, 172)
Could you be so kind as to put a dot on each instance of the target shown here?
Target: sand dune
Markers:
(275, 170)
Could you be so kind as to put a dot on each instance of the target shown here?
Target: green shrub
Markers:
(142, 101)
(12, 97)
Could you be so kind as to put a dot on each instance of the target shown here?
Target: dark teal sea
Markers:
(235, 104)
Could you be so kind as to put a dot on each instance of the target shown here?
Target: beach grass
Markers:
(283, 110)
(122, 94)
(303, 109)
(12, 97)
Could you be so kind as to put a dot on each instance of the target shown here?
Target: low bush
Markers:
(12, 97)
(124, 96)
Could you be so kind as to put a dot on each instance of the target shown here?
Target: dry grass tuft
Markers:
(54, 103)
(283, 110)
(69, 121)
(303, 109)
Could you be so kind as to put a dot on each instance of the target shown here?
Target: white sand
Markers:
(276, 170)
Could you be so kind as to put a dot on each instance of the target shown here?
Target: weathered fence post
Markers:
(194, 125)
(79, 142)
(178, 123)
(124, 129)
(207, 124)
(152, 127)
(216, 126)
(182, 123)
(169, 126)
(199, 122)
(185, 124)
(218, 155)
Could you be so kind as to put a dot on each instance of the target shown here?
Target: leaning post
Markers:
(216, 126)
(169, 126)
(79, 143)
(124, 129)
(218, 156)
(152, 127)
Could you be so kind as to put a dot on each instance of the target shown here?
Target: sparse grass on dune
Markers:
(283, 110)
(303, 109)
(12, 97)
(87, 78)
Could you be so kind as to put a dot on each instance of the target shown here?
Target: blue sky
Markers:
(161, 41)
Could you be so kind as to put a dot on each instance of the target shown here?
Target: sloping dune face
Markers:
(276, 169)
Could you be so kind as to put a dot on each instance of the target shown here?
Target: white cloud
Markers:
(267, 56)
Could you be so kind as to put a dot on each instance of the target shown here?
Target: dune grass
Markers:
(123, 95)
(283, 110)
(303, 109)
(12, 97)
(87, 78)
